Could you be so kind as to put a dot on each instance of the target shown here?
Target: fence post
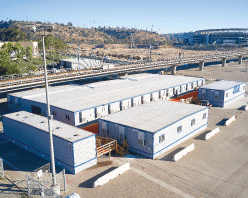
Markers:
(1, 168)
(64, 180)
(28, 184)
(109, 150)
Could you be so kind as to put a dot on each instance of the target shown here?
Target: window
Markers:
(204, 116)
(216, 94)
(141, 138)
(193, 122)
(161, 138)
(104, 127)
(54, 113)
(179, 129)
(227, 95)
(80, 117)
(67, 117)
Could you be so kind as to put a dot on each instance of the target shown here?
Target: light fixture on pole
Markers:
(55, 187)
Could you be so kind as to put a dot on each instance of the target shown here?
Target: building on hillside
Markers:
(222, 93)
(154, 128)
(74, 148)
(33, 45)
(79, 105)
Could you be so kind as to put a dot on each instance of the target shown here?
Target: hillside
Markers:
(100, 35)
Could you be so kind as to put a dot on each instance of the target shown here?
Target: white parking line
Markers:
(161, 183)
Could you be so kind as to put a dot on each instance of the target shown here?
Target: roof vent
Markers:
(43, 122)
(59, 128)
(17, 114)
(76, 135)
(25, 116)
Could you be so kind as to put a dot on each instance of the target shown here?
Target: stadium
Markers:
(220, 36)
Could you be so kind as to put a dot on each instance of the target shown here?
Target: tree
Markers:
(8, 47)
(29, 53)
(17, 47)
(6, 68)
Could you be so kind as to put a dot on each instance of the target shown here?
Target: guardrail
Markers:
(29, 82)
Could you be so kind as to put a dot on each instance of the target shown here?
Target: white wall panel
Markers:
(146, 98)
(126, 104)
(136, 101)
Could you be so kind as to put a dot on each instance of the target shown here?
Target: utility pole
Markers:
(150, 55)
(78, 58)
(54, 186)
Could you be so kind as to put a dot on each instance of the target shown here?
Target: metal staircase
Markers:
(105, 145)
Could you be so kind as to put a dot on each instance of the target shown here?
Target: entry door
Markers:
(122, 134)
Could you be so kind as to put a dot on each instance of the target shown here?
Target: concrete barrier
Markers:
(246, 108)
(212, 133)
(183, 152)
(111, 175)
(230, 120)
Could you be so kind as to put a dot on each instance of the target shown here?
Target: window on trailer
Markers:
(141, 138)
(217, 94)
(161, 138)
(179, 129)
(204, 116)
(193, 122)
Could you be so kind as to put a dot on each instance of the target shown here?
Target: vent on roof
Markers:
(17, 114)
(43, 122)
(76, 135)
(59, 128)
(25, 116)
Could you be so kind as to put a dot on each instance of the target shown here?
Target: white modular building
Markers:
(84, 63)
(154, 128)
(222, 93)
(74, 148)
(78, 105)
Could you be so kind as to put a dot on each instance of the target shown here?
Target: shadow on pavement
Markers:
(89, 182)
(169, 157)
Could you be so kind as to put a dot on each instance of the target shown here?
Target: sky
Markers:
(164, 16)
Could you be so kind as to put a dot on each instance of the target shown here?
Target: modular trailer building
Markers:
(78, 105)
(74, 148)
(222, 93)
(156, 127)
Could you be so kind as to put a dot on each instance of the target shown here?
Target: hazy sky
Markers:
(168, 16)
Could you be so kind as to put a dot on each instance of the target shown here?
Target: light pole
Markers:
(54, 186)
(78, 58)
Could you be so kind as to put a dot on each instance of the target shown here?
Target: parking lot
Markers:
(216, 168)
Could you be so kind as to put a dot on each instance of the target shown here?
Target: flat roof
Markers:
(79, 97)
(222, 85)
(62, 130)
(153, 116)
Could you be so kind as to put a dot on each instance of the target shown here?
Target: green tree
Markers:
(8, 47)
(29, 53)
(6, 68)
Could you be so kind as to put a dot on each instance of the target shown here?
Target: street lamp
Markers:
(55, 187)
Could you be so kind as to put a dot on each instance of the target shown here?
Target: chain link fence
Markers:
(36, 189)
(41, 187)
(1, 168)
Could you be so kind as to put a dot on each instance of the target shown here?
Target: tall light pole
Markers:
(54, 186)
(78, 58)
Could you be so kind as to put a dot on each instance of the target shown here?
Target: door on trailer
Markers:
(122, 134)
